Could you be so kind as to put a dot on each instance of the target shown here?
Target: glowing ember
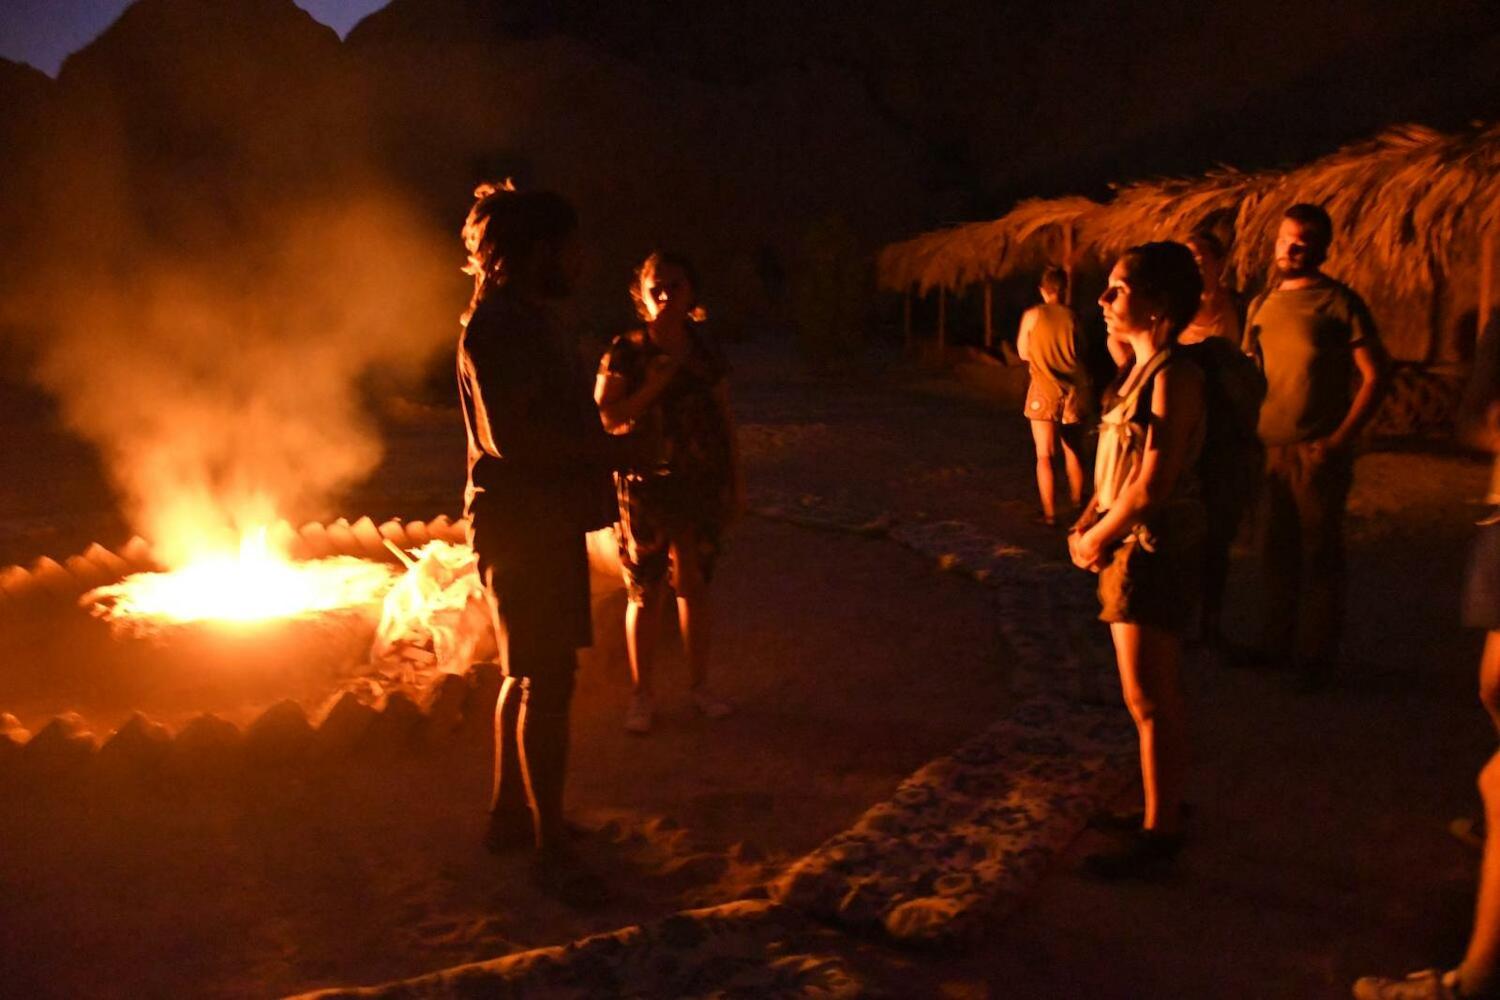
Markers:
(256, 584)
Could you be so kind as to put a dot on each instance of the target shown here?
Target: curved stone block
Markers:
(315, 538)
(13, 737)
(284, 538)
(342, 539)
(137, 552)
(207, 742)
(54, 579)
(112, 566)
(64, 742)
(371, 545)
(393, 532)
(281, 733)
(444, 529)
(139, 743)
(15, 582)
(344, 724)
(418, 533)
(86, 573)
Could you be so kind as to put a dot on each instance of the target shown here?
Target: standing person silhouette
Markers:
(664, 389)
(1477, 976)
(537, 484)
(1325, 374)
(1059, 401)
(1142, 532)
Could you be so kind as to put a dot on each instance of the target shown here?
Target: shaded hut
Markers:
(1415, 214)
(1036, 232)
(1416, 211)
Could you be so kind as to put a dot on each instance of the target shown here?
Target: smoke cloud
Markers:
(226, 392)
(210, 271)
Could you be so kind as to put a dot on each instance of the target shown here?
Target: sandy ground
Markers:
(1318, 852)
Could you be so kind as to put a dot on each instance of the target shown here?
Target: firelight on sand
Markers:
(256, 584)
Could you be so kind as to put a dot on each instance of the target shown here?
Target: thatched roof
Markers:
(1409, 205)
(1162, 210)
(979, 251)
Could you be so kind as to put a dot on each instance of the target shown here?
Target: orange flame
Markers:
(435, 616)
(255, 584)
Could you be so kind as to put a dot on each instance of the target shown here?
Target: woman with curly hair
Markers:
(664, 388)
(1142, 531)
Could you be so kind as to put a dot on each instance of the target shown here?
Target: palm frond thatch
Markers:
(1410, 206)
(952, 258)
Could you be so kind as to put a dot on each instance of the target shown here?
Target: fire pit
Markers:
(292, 615)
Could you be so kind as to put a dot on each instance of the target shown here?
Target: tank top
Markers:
(1122, 440)
(1059, 383)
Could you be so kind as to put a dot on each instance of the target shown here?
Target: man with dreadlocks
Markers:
(538, 482)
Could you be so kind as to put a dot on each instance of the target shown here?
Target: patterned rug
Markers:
(962, 839)
(746, 949)
(966, 836)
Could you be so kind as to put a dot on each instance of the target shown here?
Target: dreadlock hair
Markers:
(504, 228)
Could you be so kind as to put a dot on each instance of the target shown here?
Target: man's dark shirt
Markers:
(535, 444)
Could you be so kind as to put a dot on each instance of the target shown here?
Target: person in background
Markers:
(1059, 397)
(1230, 468)
(665, 388)
(1142, 532)
(1315, 340)
(1218, 312)
(1477, 977)
(538, 482)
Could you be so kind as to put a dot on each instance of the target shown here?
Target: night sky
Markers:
(43, 32)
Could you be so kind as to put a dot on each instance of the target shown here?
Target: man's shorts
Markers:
(1481, 601)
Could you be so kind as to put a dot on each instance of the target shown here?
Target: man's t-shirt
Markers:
(1306, 339)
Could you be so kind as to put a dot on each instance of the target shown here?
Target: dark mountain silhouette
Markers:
(194, 131)
(1036, 97)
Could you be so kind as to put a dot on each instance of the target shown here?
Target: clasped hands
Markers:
(1085, 551)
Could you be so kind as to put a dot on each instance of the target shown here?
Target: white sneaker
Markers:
(712, 706)
(638, 716)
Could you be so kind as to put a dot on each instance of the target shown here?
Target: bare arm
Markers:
(1023, 336)
(1369, 361)
(619, 409)
(1177, 408)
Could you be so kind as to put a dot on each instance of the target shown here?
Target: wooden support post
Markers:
(1068, 262)
(942, 329)
(906, 320)
(1435, 321)
(989, 324)
(1486, 284)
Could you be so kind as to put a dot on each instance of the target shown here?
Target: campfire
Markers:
(255, 584)
(430, 604)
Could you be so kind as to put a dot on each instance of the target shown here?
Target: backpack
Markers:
(1233, 388)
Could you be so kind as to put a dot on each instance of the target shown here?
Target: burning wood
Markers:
(257, 583)
(435, 616)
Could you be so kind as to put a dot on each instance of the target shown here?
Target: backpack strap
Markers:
(1142, 392)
